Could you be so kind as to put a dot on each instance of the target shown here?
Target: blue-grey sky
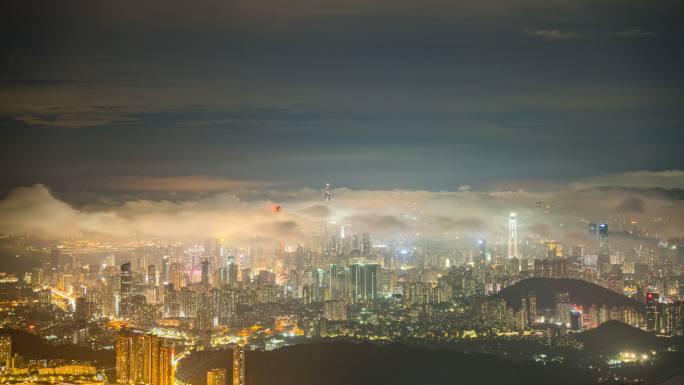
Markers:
(429, 95)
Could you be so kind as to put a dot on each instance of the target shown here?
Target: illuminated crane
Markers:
(327, 192)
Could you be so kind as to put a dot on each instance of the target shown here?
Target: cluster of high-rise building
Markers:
(205, 287)
(144, 358)
(344, 285)
(666, 318)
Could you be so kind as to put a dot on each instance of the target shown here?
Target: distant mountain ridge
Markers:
(581, 292)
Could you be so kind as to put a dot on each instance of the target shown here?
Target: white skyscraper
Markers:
(513, 235)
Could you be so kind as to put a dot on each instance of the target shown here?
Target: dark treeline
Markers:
(33, 347)
(343, 363)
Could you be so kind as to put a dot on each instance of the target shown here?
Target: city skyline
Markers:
(342, 192)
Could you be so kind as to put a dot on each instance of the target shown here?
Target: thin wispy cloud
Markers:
(636, 32)
(73, 121)
(556, 34)
(552, 34)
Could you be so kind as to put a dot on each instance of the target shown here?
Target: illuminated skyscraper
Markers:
(338, 281)
(364, 281)
(482, 255)
(577, 262)
(5, 348)
(151, 358)
(652, 313)
(553, 249)
(513, 235)
(416, 293)
(227, 303)
(356, 244)
(166, 369)
(164, 277)
(144, 359)
(15, 361)
(239, 364)
(125, 290)
(177, 275)
(672, 315)
(603, 249)
(216, 377)
(335, 310)
(205, 272)
(576, 320)
(529, 309)
(82, 308)
(125, 370)
(246, 276)
(233, 275)
(187, 300)
(152, 275)
(603, 237)
(366, 246)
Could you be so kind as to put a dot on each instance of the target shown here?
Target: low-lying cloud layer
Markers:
(247, 215)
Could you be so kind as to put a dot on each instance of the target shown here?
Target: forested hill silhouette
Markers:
(31, 346)
(581, 292)
(613, 337)
(344, 363)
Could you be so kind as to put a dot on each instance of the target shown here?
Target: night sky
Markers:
(422, 95)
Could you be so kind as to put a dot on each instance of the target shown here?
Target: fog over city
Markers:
(244, 213)
(341, 192)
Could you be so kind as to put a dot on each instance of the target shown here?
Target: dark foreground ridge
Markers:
(343, 363)
(613, 337)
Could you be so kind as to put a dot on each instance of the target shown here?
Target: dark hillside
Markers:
(581, 292)
(341, 363)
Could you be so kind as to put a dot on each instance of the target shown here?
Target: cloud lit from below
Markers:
(248, 216)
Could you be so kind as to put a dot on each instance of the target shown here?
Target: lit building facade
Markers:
(5, 348)
(239, 364)
(143, 358)
(216, 377)
(513, 235)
